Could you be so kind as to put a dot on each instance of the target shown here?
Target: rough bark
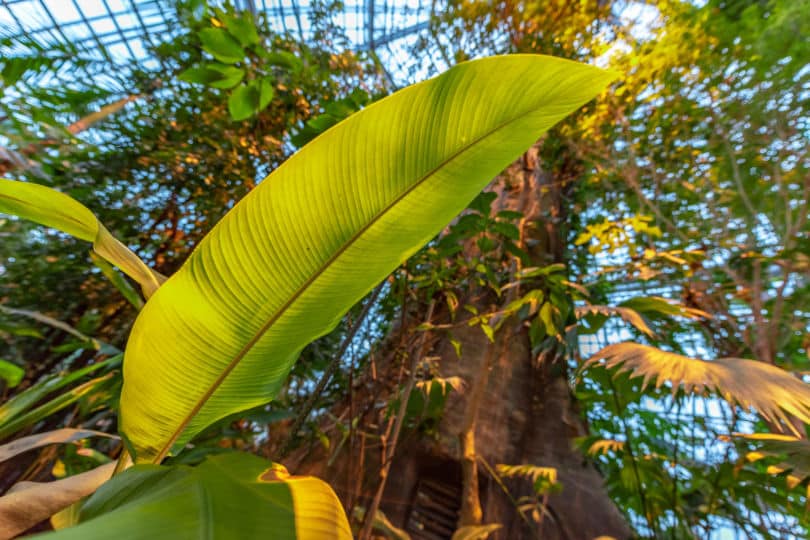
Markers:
(517, 409)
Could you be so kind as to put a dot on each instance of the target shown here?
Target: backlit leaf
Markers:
(51, 208)
(772, 392)
(228, 496)
(221, 45)
(290, 259)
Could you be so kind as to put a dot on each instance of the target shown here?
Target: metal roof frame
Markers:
(122, 31)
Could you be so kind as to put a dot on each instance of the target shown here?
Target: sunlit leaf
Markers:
(16, 423)
(603, 446)
(772, 392)
(231, 495)
(311, 240)
(792, 454)
(628, 315)
(59, 211)
(118, 281)
(11, 373)
(476, 532)
(221, 45)
(661, 306)
(22, 403)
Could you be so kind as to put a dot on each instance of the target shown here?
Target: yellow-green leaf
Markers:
(11, 373)
(285, 264)
(227, 496)
(51, 208)
(221, 45)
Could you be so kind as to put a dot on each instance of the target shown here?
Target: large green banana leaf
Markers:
(230, 496)
(286, 263)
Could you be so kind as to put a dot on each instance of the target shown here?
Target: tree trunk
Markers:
(517, 408)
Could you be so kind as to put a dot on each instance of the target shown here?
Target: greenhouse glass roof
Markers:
(123, 30)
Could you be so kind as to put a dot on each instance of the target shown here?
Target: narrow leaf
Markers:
(50, 321)
(11, 373)
(57, 436)
(53, 406)
(22, 402)
(51, 208)
(627, 314)
(118, 281)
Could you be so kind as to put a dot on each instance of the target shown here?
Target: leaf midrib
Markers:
(305, 286)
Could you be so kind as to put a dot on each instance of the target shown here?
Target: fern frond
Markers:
(772, 392)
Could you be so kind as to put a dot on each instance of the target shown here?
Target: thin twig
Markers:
(330, 370)
(368, 521)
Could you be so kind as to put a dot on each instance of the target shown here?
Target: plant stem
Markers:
(388, 458)
(330, 370)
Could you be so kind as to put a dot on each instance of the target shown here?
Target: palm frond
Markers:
(772, 392)
(444, 383)
(794, 454)
(656, 305)
(605, 446)
(532, 472)
(628, 315)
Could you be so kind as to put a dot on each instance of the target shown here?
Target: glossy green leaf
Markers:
(214, 75)
(243, 101)
(51, 208)
(266, 93)
(321, 231)
(23, 402)
(227, 496)
(242, 27)
(221, 45)
(283, 59)
(55, 405)
(11, 373)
